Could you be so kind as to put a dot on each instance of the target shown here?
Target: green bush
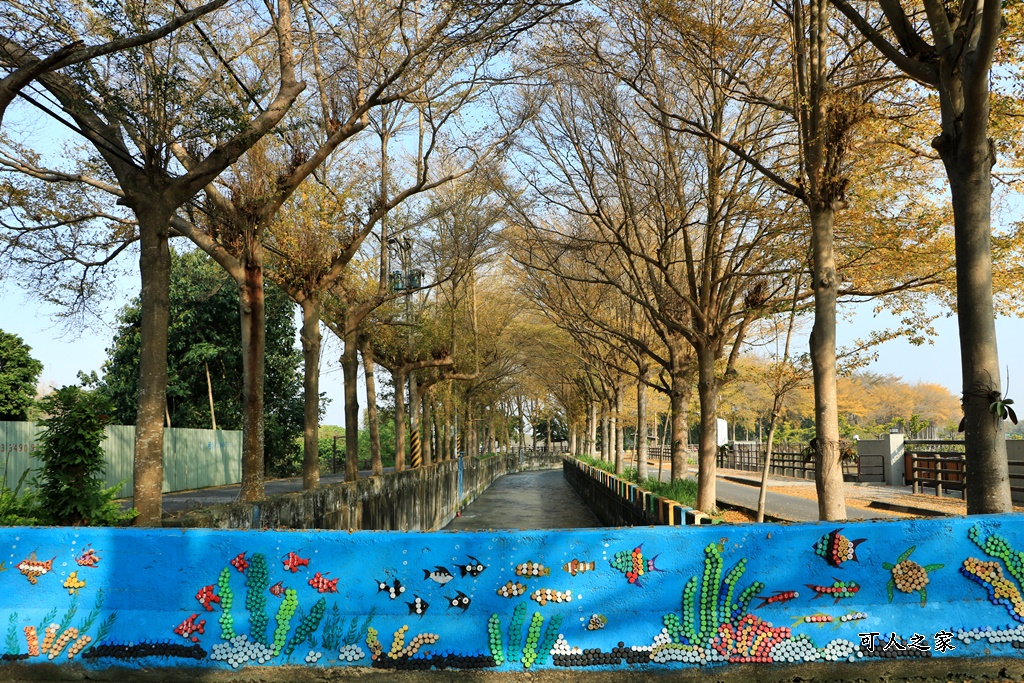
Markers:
(71, 490)
(17, 508)
(683, 491)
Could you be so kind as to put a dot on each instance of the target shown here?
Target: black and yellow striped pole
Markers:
(416, 448)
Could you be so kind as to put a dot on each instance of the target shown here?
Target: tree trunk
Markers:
(399, 378)
(968, 168)
(253, 316)
(310, 337)
(707, 392)
(572, 440)
(350, 368)
(155, 268)
(592, 431)
(605, 439)
(485, 426)
(369, 370)
(209, 395)
(444, 436)
(495, 443)
(641, 423)
(426, 426)
(547, 444)
(522, 424)
(467, 429)
(618, 433)
(828, 472)
(437, 412)
(679, 399)
(763, 493)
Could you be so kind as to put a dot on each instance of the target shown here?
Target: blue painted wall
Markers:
(712, 594)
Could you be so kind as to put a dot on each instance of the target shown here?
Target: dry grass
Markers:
(738, 516)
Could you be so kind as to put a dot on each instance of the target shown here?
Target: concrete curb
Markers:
(919, 670)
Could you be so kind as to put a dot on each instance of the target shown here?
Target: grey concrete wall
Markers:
(414, 500)
(871, 454)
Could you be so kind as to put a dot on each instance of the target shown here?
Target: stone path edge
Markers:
(919, 670)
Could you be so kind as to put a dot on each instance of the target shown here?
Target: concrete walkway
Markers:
(527, 500)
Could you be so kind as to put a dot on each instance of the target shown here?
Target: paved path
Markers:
(778, 506)
(527, 500)
(540, 500)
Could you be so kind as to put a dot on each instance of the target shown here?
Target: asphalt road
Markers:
(780, 506)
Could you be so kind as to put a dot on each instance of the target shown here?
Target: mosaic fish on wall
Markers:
(634, 565)
(394, 590)
(239, 562)
(461, 600)
(546, 595)
(88, 558)
(440, 574)
(292, 562)
(207, 597)
(838, 589)
(577, 567)
(277, 590)
(418, 606)
(473, 567)
(189, 626)
(836, 548)
(322, 584)
(532, 569)
(73, 583)
(512, 590)
(32, 568)
(778, 597)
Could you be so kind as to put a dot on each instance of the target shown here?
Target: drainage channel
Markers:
(527, 500)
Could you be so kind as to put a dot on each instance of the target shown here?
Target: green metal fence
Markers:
(193, 458)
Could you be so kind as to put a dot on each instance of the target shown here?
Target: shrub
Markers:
(17, 508)
(683, 491)
(71, 490)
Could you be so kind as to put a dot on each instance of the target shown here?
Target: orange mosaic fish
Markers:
(33, 568)
(532, 568)
(577, 567)
(512, 590)
(89, 558)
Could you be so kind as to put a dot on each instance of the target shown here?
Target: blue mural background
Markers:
(704, 595)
